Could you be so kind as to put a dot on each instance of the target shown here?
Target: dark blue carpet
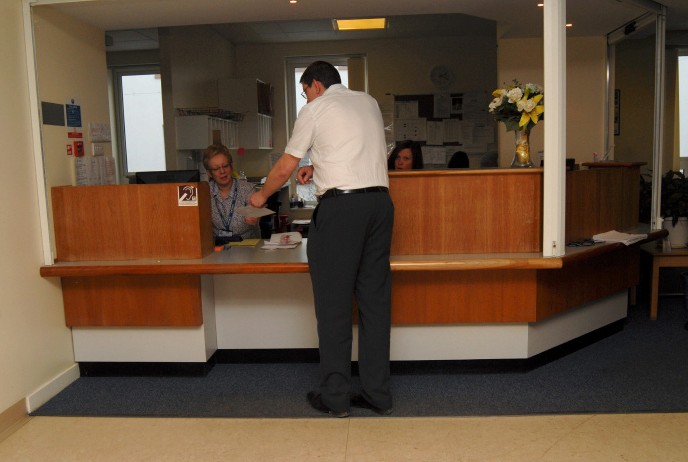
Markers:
(643, 368)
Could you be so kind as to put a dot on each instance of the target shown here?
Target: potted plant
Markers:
(674, 207)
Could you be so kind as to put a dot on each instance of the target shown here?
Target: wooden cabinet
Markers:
(132, 225)
(252, 98)
(198, 131)
(132, 222)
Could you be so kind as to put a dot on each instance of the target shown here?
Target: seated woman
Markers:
(226, 194)
(406, 155)
(458, 160)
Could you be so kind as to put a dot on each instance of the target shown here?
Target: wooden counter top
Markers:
(254, 260)
(613, 164)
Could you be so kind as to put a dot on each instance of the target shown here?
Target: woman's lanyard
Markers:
(226, 221)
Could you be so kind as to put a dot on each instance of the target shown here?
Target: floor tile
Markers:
(146, 439)
(542, 438)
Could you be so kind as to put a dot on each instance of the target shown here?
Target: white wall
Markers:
(522, 59)
(35, 345)
(70, 59)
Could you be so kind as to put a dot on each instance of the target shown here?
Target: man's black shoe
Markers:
(315, 400)
(360, 401)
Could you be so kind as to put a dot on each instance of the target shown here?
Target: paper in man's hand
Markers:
(253, 212)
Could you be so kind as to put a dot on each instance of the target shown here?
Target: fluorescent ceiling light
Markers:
(360, 24)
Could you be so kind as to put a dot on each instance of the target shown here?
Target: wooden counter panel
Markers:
(487, 211)
(600, 200)
(128, 222)
(133, 301)
(463, 297)
(582, 282)
(466, 249)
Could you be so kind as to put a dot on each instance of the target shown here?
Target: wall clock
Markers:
(441, 76)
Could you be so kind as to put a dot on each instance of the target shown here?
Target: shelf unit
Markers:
(198, 131)
(253, 98)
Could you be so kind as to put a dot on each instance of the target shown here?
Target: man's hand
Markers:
(251, 220)
(304, 174)
(257, 199)
(279, 174)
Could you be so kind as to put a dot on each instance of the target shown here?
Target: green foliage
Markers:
(674, 201)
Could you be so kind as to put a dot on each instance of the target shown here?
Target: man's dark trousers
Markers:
(348, 254)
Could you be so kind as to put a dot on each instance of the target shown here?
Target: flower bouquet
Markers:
(520, 107)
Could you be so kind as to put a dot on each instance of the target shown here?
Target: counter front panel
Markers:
(129, 222)
(474, 211)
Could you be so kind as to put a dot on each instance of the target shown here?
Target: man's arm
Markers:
(279, 175)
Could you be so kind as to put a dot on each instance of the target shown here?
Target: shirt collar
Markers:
(335, 87)
(214, 190)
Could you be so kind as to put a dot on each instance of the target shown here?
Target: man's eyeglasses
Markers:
(303, 94)
(221, 167)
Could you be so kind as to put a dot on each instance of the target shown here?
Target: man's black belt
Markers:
(334, 192)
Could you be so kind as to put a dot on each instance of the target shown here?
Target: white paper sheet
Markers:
(253, 212)
(410, 129)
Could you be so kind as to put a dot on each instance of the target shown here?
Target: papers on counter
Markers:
(283, 241)
(253, 212)
(615, 236)
(244, 243)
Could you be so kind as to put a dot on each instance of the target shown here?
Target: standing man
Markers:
(349, 237)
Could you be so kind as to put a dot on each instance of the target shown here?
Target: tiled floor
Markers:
(589, 438)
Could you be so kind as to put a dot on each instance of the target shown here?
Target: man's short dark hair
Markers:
(323, 72)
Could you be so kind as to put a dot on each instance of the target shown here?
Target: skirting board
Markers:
(51, 388)
(12, 418)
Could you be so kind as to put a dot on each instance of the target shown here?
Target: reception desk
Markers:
(469, 278)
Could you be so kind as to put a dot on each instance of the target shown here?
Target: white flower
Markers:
(526, 105)
(519, 106)
(515, 94)
(496, 103)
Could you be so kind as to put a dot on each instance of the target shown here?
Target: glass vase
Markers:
(522, 154)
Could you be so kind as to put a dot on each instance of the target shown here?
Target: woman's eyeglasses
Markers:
(221, 167)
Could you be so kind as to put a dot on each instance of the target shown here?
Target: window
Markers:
(138, 104)
(295, 69)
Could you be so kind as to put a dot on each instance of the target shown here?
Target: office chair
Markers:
(489, 159)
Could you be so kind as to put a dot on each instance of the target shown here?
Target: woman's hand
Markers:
(251, 220)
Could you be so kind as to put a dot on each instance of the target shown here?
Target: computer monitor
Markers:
(168, 176)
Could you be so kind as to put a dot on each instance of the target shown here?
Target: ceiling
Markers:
(133, 23)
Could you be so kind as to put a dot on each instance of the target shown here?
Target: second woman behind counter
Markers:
(226, 195)
(406, 155)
